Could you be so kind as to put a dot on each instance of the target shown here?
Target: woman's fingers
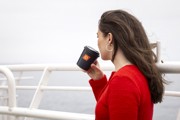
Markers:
(94, 71)
(95, 67)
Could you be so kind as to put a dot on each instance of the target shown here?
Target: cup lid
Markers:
(92, 49)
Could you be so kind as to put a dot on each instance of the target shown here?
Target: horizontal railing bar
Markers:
(18, 78)
(47, 114)
(166, 67)
(169, 67)
(172, 93)
(5, 97)
(41, 67)
(75, 88)
(65, 88)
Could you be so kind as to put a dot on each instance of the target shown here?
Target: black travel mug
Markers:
(88, 56)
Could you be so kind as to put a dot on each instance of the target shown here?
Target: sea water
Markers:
(84, 101)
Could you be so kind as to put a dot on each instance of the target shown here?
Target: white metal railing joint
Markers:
(11, 86)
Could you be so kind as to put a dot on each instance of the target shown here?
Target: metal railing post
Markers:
(11, 86)
(158, 51)
(11, 89)
(39, 92)
(178, 115)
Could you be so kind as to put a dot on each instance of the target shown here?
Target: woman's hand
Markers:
(94, 71)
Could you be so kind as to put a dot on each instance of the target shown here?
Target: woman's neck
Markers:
(120, 61)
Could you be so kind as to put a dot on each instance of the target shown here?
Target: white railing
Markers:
(13, 112)
(33, 111)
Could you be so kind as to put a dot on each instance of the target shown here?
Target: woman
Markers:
(136, 83)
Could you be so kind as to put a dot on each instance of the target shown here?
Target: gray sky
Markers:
(55, 31)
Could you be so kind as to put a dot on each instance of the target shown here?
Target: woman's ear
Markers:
(110, 38)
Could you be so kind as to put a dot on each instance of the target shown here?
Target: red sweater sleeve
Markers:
(123, 99)
(97, 86)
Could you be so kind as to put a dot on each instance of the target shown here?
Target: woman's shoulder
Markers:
(127, 71)
(129, 74)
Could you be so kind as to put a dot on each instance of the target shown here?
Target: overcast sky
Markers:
(55, 31)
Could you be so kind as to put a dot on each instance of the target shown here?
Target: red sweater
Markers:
(125, 96)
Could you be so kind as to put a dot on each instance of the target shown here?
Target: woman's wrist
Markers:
(99, 77)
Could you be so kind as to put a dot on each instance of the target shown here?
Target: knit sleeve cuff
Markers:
(98, 83)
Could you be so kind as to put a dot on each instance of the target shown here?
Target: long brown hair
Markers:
(129, 35)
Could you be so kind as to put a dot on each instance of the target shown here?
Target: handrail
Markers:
(11, 86)
(166, 67)
(33, 112)
(74, 88)
(46, 114)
